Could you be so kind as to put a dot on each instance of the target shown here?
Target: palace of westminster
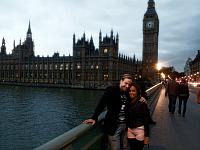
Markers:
(89, 67)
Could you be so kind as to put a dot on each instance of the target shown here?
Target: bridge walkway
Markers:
(174, 132)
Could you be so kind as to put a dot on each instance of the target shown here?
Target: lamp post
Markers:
(158, 67)
(163, 76)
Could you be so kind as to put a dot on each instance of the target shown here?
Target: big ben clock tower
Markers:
(150, 38)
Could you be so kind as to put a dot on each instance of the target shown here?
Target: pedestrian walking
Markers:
(183, 95)
(172, 92)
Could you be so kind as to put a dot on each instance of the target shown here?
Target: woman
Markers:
(138, 125)
(183, 94)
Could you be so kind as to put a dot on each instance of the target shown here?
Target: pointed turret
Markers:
(24, 49)
(117, 38)
(74, 39)
(134, 58)
(29, 33)
(14, 44)
(111, 34)
(3, 42)
(91, 41)
(100, 37)
(3, 47)
(151, 8)
(84, 35)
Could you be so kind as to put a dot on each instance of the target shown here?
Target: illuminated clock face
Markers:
(149, 24)
(105, 50)
(29, 35)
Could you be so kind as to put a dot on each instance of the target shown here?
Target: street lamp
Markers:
(163, 75)
(158, 67)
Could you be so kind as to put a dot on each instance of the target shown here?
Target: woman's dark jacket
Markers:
(138, 116)
(183, 90)
(111, 100)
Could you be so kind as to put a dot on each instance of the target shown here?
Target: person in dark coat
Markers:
(138, 120)
(172, 92)
(183, 95)
(116, 99)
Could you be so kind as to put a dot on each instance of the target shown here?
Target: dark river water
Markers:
(31, 116)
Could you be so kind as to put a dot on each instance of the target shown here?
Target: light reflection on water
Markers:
(31, 116)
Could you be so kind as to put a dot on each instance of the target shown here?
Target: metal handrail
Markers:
(76, 137)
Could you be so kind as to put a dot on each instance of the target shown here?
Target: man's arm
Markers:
(101, 105)
(99, 108)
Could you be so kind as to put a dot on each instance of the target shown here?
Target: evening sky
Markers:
(53, 24)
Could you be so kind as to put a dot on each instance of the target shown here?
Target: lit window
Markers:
(67, 66)
(40, 66)
(92, 67)
(78, 66)
(50, 66)
(105, 77)
(61, 67)
(45, 66)
(56, 67)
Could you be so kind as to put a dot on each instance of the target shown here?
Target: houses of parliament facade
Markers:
(89, 67)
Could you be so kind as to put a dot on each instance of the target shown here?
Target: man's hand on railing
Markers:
(89, 121)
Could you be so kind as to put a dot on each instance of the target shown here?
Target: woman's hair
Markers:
(137, 89)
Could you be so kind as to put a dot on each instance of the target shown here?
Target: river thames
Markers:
(31, 116)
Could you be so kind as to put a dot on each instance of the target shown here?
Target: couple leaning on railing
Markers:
(127, 119)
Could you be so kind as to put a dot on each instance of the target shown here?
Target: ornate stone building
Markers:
(89, 67)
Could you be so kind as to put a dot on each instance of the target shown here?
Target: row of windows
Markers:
(36, 67)
(51, 76)
(48, 67)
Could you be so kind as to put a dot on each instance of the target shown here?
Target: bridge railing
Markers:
(88, 137)
(153, 95)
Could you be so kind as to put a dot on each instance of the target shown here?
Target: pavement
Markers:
(174, 132)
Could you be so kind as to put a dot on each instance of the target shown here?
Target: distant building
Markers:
(187, 69)
(89, 67)
(195, 64)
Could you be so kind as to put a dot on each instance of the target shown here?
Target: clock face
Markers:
(105, 50)
(149, 24)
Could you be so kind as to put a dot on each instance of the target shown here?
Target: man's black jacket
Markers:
(111, 100)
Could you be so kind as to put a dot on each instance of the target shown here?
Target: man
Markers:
(172, 92)
(115, 99)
